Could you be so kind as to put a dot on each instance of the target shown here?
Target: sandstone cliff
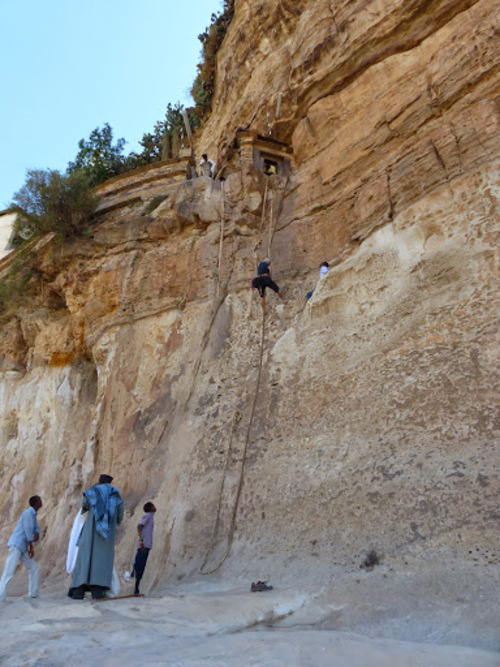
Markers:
(366, 419)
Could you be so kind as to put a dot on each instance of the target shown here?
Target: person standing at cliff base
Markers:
(21, 548)
(144, 543)
(264, 280)
(93, 569)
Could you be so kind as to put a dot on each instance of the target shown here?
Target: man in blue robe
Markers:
(96, 548)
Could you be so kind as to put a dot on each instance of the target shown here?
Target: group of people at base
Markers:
(264, 280)
(92, 544)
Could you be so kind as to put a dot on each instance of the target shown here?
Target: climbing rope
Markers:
(272, 228)
(274, 223)
(264, 201)
(220, 295)
(232, 524)
(221, 240)
(236, 418)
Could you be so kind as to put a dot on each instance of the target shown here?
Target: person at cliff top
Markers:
(144, 543)
(207, 166)
(93, 569)
(264, 280)
(323, 270)
(21, 548)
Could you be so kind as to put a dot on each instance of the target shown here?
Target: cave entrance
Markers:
(265, 154)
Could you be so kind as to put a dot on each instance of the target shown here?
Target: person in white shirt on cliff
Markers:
(207, 166)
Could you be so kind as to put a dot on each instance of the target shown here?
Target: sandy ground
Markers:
(204, 626)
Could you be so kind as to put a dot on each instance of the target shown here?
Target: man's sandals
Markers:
(260, 586)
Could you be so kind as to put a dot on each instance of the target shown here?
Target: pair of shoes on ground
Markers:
(260, 586)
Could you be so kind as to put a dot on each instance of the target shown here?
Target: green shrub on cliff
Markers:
(52, 202)
(97, 157)
(164, 142)
(48, 202)
(173, 131)
(203, 87)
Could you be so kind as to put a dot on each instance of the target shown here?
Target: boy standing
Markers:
(144, 543)
(21, 548)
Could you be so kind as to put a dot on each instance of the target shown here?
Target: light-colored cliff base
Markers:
(364, 421)
(212, 625)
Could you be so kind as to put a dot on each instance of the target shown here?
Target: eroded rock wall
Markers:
(365, 419)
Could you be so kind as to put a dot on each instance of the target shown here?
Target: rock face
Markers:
(359, 427)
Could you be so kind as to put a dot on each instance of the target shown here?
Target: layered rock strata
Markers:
(296, 444)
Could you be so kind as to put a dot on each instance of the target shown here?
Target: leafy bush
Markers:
(48, 202)
(98, 158)
(164, 142)
(52, 202)
(151, 143)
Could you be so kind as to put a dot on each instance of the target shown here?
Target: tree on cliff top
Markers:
(48, 202)
(53, 202)
(164, 142)
(98, 157)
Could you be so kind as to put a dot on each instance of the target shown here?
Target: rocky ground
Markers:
(374, 617)
(288, 447)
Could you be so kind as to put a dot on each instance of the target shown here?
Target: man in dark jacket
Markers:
(264, 280)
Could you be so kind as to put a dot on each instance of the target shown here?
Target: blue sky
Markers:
(69, 66)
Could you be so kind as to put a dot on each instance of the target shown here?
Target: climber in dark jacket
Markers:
(264, 280)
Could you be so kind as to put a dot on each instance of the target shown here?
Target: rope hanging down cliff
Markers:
(272, 227)
(242, 469)
(273, 221)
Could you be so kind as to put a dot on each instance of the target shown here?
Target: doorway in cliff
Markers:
(264, 154)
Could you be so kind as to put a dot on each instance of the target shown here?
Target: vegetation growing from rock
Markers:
(53, 202)
(97, 157)
(48, 202)
(63, 203)
(203, 87)
(154, 203)
(164, 142)
(16, 284)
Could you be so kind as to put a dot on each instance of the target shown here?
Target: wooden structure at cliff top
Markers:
(143, 183)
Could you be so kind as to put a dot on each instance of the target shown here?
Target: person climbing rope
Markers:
(264, 280)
